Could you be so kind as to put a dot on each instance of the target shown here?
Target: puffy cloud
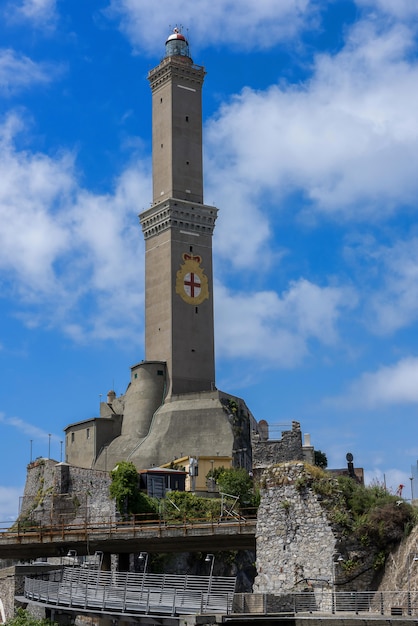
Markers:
(18, 72)
(347, 139)
(278, 329)
(254, 25)
(40, 13)
(390, 385)
(69, 255)
(395, 304)
(401, 9)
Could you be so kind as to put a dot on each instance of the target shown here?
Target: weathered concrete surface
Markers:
(118, 538)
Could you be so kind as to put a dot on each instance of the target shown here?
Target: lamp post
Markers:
(210, 558)
(143, 557)
(412, 558)
(98, 557)
(336, 558)
(411, 478)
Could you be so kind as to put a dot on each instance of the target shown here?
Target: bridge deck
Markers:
(153, 536)
(133, 593)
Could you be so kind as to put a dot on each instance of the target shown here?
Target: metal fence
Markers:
(326, 602)
(125, 592)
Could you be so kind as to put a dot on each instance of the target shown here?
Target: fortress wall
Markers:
(299, 545)
(62, 493)
(287, 448)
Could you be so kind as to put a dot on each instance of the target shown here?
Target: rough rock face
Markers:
(401, 569)
(58, 493)
(299, 542)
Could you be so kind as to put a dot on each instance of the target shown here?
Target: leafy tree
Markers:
(320, 459)
(24, 618)
(236, 481)
(124, 488)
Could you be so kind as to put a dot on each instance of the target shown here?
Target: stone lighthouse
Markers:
(178, 228)
(171, 407)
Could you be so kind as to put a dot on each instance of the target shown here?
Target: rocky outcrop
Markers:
(300, 542)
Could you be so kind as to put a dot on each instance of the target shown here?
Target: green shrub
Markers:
(24, 618)
(236, 481)
(124, 488)
(181, 505)
(380, 519)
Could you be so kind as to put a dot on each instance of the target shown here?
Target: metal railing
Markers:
(329, 602)
(126, 592)
(65, 524)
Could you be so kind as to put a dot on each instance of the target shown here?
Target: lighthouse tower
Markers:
(178, 228)
(171, 407)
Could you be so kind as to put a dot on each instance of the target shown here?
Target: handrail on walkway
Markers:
(330, 602)
(125, 592)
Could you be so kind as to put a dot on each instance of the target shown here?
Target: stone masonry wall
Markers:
(57, 492)
(295, 544)
(299, 546)
(288, 448)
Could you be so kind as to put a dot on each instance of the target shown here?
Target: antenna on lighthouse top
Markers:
(177, 44)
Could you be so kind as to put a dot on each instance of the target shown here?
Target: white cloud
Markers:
(18, 72)
(40, 13)
(26, 428)
(395, 304)
(347, 139)
(400, 9)
(70, 255)
(249, 25)
(390, 385)
(273, 329)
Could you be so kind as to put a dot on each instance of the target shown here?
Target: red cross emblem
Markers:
(192, 285)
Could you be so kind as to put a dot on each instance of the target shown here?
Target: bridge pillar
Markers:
(106, 562)
(123, 562)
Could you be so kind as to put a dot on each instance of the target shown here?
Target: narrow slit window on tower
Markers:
(191, 249)
(196, 309)
(187, 162)
(187, 118)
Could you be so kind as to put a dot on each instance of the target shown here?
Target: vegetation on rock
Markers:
(124, 488)
(371, 515)
(379, 518)
(24, 618)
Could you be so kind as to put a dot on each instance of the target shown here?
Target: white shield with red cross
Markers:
(191, 282)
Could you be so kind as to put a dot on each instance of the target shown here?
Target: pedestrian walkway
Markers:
(125, 592)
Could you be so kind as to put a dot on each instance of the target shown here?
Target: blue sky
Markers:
(311, 156)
